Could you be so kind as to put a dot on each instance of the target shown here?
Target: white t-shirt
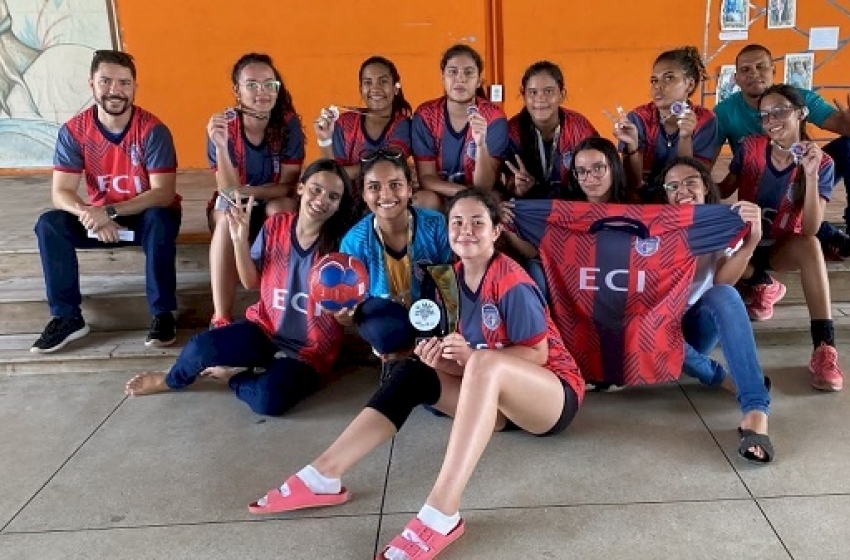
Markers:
(704, 276)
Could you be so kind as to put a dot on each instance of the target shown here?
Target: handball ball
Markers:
(337, 281)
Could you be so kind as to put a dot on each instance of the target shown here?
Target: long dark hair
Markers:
(615, 169)
(527, 130)
(689, 59)
(277, 131)
(459, 50)
(401, 106)
(337, 225)
(793, 96)
(712, 196)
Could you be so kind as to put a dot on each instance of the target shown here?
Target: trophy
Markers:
(436, 312)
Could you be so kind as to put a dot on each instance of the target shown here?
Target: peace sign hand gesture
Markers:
(523, 180)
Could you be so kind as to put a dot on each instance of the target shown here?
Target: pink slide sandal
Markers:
(421, 543)
(300, 497)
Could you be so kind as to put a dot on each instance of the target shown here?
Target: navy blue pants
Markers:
(271, 386)
(60, 233)
(839, 151)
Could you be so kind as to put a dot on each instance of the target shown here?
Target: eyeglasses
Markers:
(598, 170)
(389, 152)
(690, 183)
(271, 86)
(778, 113)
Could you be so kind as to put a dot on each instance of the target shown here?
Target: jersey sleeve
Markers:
(424, 147)
(401, 137)
(826, 179)
(705, 141)
(524, 315)
(497, 138)
(736, 166)
(68, 157)
(258, 248)
(211, 156)
(531, 218)
(819, 108)
(339, 147)
(716, 227)
(353, 244)
(160, 155)
(293, 151)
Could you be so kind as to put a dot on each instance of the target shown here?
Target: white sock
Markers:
(317, 482)
(437, 520)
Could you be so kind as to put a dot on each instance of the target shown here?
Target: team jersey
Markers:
(350, 138)
(737, 120)
(285, 312)
(454, 151)
(117, 167)
(430, 245)
(509, 310)
(619, 278)
(772, 189)
(660, 148)
(260, 164)
(556, 156)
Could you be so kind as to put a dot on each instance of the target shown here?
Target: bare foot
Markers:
(146, 383)
(222, 373)
(757, 422)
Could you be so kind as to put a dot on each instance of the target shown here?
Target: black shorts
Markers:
(258, 217)
(761, 257)
(567, 413)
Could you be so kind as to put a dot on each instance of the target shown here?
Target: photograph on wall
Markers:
(799, 69)
(726, 85)
(46, 47)
(781, 14)
(734, 15)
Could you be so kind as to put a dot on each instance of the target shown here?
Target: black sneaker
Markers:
(163, 330)
(59, 332)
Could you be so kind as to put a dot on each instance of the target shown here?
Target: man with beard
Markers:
(127, 156)
(738, 116)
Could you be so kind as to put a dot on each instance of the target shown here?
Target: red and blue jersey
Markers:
(117, 167)
(454, 151)
(509, 310)
(660, 148)
(285, 311)
(350, 138)
(260, 164)
(772, 189)
(619, 278)
(574, 128)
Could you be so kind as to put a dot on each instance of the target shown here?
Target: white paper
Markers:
(734, 35)
(123, 235)
(823, 39)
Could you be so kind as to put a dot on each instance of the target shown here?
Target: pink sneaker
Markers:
(218, 322)
(826, 373)
(764, 297)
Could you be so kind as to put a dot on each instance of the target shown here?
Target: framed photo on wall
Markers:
(734, 15)
(726, 85)
(781, 14)
(800, 69)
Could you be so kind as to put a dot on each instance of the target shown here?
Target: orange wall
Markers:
(185, 50)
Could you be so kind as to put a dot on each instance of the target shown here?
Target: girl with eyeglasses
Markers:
(670, 125)
(505, 368)
(791, 179)
(716, 312)
(285, 349)
(543, 136)
(257, 147)
(395, 240)
(460, 139)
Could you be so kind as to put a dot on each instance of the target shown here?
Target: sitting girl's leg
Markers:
(285, 382)
(700, 338)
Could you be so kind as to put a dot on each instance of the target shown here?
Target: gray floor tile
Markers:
(640, 445)
(295, 539)
(200, 455)
(813, 528)
(810, 430)
(42, 421)
(696, 531)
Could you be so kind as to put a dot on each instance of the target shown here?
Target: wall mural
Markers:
(46, 47)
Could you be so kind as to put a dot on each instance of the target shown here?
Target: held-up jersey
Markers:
(772, 189)
(574, 128)
(350, 138)
(117, 167)
(619, 278)
(509, 310)
(454, 152)
(285, 312)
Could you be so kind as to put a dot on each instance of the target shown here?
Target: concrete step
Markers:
(110, 302)
(839, 283)
(790, 326)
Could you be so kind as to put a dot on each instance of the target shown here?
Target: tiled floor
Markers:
(646, 473)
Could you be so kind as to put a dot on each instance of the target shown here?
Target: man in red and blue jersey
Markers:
(129, 162)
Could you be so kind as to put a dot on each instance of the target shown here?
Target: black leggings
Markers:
(411, 383)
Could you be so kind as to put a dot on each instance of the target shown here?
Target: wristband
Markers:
(627, 153)
(325, 143)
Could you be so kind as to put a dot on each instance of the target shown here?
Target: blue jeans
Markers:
(60, 233)
(839, 151)
(271, 386)
(720, 316)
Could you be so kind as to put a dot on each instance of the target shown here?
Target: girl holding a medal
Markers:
(791, 179)
(257, 147)
(504, 368)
